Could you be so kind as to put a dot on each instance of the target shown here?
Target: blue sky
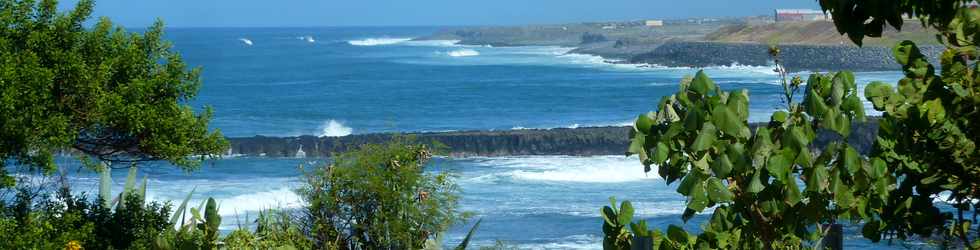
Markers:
(302, 13)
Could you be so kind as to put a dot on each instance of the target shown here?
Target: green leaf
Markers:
(722, 166)
(792, 195)
(677, 234)
(706, 138)
(643, 123)
(936, 112)
(852, 160)
(661, 153)
(779, 165)
(690, 181)
(701, 84)
(698, 200)
(843, 196)
(817, 179)
(755, 185)
(718, 192)
(727, 121)
(738, 102)
(638, 147)
(779, 116)
(903, 52)
(625, 213)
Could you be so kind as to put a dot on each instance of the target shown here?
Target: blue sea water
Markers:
(338, 81)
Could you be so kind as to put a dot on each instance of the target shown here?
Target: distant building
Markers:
(783, 15)
(654, 23)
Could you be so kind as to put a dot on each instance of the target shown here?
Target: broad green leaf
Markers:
(761, 147)
(706, 138)
(727, 121)
(677, 234)
(779, 116)
(718, 192)
(688, 184)
(643, 123)
(779, 165)
(792, 195)
(817, 179)
(698, 200)
(637, 146)
(936, 112)
(722, 166)
(701, 84)
(843, 196)
(738, 102)
(661, 153)
(625, 213)
(903, 52)
(755, 185)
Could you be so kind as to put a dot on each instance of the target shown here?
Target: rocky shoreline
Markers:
(795, 57)
(588, 141)
(687, 45)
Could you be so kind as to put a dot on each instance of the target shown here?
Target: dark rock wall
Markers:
(563, 141)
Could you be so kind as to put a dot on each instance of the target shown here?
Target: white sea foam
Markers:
(592, 169)
(333, 128)
(246, 41)
(463, 53)
(377, 41)
(258, 201)
(308, 39)
(433, 43)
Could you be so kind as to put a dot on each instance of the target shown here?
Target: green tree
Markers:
(769, 189)
(101, 93)
(929, 128)
(380, 197)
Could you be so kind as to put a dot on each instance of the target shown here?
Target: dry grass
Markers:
(815, 32)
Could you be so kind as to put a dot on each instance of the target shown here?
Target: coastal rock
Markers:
(560, 141)
(795, 57)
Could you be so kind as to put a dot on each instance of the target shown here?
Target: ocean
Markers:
(353, 80)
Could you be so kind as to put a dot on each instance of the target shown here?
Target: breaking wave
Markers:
(594, 169)
(378, 41)
(463, 53)
(333, 128)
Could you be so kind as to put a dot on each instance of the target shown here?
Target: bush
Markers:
(379, 197)
(53, 223)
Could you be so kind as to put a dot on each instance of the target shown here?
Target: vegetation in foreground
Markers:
(377, 197)
(114, 98)
(925, 149)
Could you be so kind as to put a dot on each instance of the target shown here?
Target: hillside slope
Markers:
(814, 33)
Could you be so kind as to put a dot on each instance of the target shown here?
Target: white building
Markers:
(783, 15)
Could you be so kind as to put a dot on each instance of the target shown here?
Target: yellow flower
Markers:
(73, 245)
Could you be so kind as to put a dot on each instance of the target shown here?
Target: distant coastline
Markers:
(806, 46)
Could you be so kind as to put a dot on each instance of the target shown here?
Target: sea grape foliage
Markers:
(768, 188)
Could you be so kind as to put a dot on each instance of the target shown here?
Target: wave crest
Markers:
(333, 128)
(463, 53)
(378, 41)
(593, 169)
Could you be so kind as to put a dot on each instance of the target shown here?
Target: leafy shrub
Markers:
(379, 197)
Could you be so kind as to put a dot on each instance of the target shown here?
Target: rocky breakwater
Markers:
(561, 141)
(795, 57)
